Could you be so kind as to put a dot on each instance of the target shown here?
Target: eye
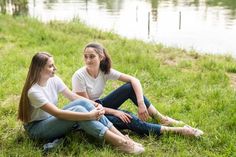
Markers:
(85, 56)
(91, 56)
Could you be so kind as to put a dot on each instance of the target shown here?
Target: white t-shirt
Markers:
(83, 82)
(39, 96)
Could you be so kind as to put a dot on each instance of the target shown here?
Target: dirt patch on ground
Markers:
(170, 62)
(232, 77)
(174, 60)
(13, 99)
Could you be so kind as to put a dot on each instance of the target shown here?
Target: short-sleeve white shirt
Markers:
(94, 87)
(40, 96)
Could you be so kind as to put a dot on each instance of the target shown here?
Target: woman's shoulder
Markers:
(114, 72)
(35, 88)
(80, 74)
(56, 78)
(80, 71)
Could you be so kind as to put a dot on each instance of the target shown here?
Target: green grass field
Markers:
(185, 85)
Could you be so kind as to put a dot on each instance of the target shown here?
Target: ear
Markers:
(101, 58)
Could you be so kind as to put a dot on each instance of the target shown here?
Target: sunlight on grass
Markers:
(184, 85)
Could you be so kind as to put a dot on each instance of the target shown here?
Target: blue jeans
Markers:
(117, 97)
(52, 127)
(136, 125)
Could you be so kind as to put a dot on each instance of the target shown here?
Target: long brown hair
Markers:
(38, 62)
(105, 64)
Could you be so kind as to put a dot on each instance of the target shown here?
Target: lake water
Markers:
(208, 26)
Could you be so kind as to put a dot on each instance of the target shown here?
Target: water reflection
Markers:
(14, 7)
(227, 4)
(154, 11)
(19, 7)
(112, 6)
(198, 24)
(50, 3)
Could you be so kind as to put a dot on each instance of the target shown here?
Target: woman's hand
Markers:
(98, 106)
(97, 113)
(142, 112)
(125, 117)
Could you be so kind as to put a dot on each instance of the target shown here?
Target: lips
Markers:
(89, 63)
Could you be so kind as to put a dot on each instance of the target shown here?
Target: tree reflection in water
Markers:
(14, 7)
(20, 7)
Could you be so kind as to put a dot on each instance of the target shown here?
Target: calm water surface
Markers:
(208, 26)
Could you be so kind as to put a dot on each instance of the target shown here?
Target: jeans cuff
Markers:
(109, 125)
(102, 133)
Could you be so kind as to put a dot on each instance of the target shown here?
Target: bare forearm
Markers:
(109, 111)
(85, 97)
(73, 96)
(73, 116)
(136, 86)
(76, 96)
(138, 90)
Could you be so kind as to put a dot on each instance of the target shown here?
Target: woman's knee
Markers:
(79, 101)
(86, 104)
(128, 87)
(78, 108)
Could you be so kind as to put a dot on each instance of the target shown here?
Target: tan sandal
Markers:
(130, 148)
(136, 143)
(189, 131)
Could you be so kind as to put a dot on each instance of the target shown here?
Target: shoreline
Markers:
(183, 84)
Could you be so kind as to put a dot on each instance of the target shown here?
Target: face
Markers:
(91, 58)
(49, 69)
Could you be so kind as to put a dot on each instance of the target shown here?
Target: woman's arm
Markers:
(71, 115)
(83, 94)
(125, 117)
(72, 96)
(142, 110)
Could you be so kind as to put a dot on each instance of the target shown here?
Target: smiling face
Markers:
(92, 58)
(48, 70)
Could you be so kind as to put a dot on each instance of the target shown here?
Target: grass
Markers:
(186, 85)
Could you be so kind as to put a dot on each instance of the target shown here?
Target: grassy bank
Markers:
(185, 85)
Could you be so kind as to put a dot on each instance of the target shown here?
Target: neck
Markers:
(43, 81)
(93, 72)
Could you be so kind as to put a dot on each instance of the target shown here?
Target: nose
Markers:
(87, 60)
(54, 68)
